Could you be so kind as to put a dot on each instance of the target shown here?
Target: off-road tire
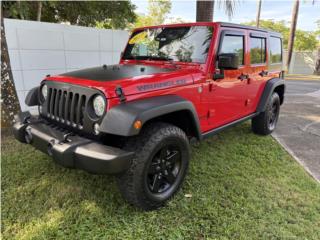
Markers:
(153, 138)
(261, 124)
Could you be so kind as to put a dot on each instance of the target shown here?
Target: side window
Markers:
(233, 44)
(275, 50)
(257, 50)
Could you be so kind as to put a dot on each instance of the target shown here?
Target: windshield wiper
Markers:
(146, 57)
(160, 58)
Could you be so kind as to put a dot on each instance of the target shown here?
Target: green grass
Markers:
(243, 186)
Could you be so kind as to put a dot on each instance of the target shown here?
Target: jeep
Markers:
(174, 85)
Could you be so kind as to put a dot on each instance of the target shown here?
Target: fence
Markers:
(302, 62)
(37, 49)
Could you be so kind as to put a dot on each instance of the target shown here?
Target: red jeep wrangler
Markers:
(174, 84)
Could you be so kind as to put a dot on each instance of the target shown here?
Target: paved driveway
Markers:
(298, 128)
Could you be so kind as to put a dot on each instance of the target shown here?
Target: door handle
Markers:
(243, 76)
(263, 73)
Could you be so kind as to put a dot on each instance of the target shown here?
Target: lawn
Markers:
(239, 186)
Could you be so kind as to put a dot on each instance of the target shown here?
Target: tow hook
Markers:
(50, 147)
(66, 136)
(28, 135)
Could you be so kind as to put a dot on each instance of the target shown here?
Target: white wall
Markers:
(37, 49)
(302, 62)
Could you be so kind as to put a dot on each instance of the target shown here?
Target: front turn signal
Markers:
(137, 124)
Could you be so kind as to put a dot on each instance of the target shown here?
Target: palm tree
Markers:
(205, 9)
(258, 13)
(295, 13)
(9, 99)
(317, 65)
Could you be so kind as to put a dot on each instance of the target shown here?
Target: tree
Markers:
(39, 11)
(9, 99)
(258, 13)
(157, 13)
(108, 14)
(292, 34)
(304, 40)
(205, 9)
(317, 64)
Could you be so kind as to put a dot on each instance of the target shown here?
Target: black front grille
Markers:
(70, 106)
(66, 107)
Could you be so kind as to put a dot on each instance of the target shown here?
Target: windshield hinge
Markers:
(120, 94)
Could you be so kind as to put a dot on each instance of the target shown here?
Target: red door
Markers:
(226, 97)
(258, 70)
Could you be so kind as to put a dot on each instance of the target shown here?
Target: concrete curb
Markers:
(302, 77)
(288, 150)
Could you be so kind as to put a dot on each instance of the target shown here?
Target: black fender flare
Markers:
(269, 88)
(32, 98)
(120, 119)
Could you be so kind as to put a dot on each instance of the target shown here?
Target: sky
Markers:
(246, 11)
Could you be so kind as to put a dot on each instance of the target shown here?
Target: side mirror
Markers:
(228, 61)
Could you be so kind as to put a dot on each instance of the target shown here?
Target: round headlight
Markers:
(44, 91)
(99, 105)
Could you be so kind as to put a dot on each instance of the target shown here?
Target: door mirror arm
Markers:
(220, 75)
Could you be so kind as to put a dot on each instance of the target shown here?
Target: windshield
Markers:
(183, 44)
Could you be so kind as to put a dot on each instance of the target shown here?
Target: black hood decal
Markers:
(115, 72)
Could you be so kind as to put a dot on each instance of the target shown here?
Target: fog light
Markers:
(96, 128)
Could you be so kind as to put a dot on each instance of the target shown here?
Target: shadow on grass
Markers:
(241, 185)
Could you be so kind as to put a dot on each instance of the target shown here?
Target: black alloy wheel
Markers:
(164, 169)
(265, 122)
(158, 168)
(273, 115)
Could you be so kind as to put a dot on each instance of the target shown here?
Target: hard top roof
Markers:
(223, 24)
(235, 25)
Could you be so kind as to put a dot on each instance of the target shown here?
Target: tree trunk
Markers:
(205, 11)
(258, 13)
(9, 100)
(39, 11)
(295, 13)
(317, 66)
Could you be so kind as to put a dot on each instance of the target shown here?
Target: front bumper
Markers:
(71, 151)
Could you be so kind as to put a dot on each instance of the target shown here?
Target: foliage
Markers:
(157, 13)
(106, 14)
(305, 40)
(239, 186)
(229, 6)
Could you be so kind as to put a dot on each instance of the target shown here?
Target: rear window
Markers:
(233, 44)
(275, 50)
(257, 50)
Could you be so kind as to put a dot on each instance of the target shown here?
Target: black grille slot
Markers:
(66, 107)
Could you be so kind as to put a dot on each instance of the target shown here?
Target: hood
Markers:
(115, 72)
(133, 79)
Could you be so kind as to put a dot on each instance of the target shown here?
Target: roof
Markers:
(223, 24)
(226, 24)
